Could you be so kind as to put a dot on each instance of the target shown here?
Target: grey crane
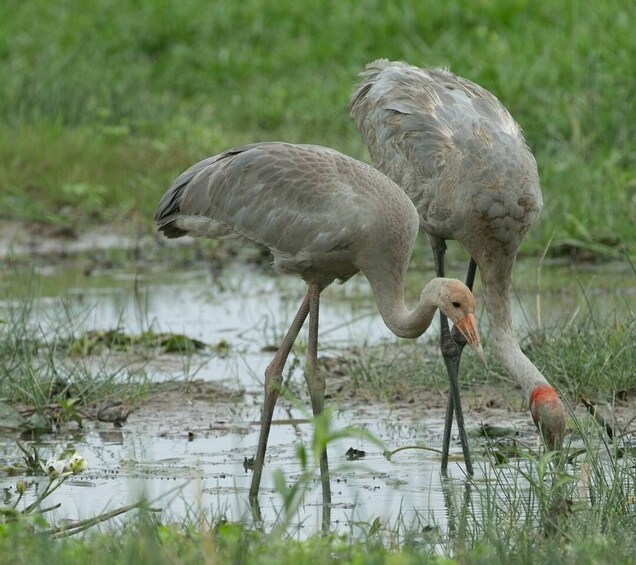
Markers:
(463, 161)
(324, 216)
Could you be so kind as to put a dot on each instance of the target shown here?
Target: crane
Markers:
(324, 217)
(462, 159)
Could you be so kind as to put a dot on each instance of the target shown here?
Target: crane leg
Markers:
(460, 342)
(451, 352)
(316, 385)
(273, 382)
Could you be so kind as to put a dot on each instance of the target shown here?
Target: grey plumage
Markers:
(454, 148)
(324, 216)
(462, 159)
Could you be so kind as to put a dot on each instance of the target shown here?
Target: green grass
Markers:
(103, 103)
(587, 358)
(42, 372)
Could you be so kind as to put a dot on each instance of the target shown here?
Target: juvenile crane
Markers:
(323, 216)
(463, 161)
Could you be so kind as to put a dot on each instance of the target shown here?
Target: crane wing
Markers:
(279, 195)
(424, 118)
(451, 146)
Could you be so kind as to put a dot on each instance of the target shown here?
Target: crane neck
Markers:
(400, 319)
(496, 296)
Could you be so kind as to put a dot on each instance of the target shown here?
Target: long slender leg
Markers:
(316, 386)
(460, 342)
(273, 381)
(451, 354)
(439, 250)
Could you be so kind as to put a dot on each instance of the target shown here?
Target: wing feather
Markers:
(450, 144)
(284, 196)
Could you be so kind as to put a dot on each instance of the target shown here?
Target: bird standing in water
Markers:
(324, 217)
(463, 161)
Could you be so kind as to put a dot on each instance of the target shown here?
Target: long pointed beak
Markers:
(468, 328)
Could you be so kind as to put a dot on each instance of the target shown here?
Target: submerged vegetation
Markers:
(104, 103)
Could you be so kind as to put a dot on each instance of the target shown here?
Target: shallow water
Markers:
(182, 476)
(249, 308)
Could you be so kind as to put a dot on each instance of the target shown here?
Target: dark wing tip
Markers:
(171, 230)
(168, 211)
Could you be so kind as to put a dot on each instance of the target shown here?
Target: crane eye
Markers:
(456, 304)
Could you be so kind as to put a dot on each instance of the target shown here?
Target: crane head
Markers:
(548, 415)
(458, 305)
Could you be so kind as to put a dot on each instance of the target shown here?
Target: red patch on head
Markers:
(541, 394)
(548, 414)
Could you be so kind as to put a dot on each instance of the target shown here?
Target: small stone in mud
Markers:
(354, 454)
(248, 463)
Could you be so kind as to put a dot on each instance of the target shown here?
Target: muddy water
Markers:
(153, 455)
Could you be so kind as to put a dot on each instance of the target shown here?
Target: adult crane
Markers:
(462, 159)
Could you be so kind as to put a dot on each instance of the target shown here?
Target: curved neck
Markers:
(403, 322)
(496, 291)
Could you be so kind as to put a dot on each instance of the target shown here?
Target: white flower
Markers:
(76, 464)
(54, 468)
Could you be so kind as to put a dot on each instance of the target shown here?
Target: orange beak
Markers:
(468, 328)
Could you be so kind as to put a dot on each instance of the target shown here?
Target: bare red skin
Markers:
(548, 415)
